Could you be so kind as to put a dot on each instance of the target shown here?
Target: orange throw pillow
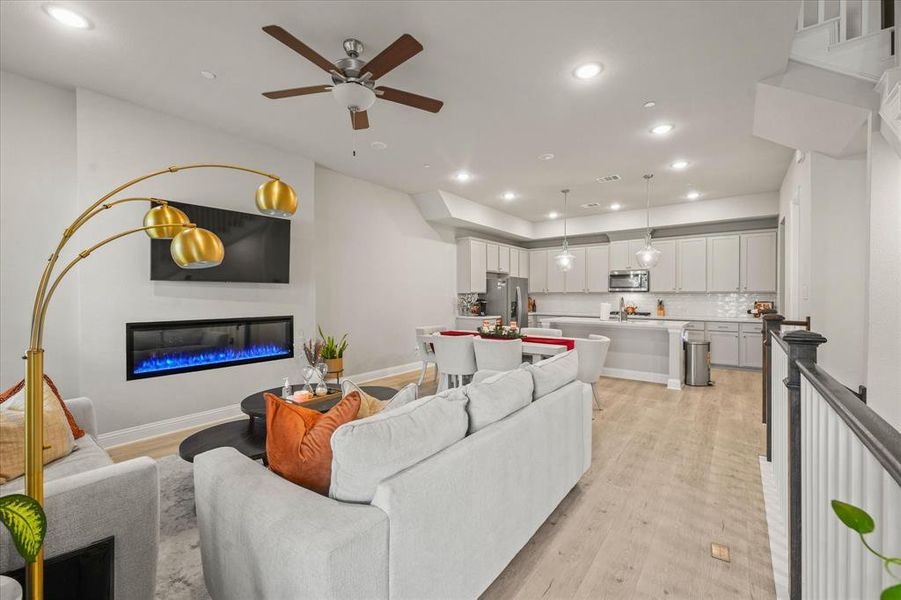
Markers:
(77, 431)
(298, 440)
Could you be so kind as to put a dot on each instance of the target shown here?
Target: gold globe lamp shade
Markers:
(276, 198)
(165, 215)
(197, 248)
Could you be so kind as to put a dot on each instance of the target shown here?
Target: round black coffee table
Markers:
(249, 437)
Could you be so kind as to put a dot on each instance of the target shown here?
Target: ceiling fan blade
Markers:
(301, 91)
(295, 44)
(414, 100)
(359, 119)
(404, 48)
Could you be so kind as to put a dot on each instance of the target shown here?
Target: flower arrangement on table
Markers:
(498, 330)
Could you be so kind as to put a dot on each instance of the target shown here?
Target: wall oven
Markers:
(629, 281)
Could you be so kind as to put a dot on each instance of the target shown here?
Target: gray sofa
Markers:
(444, 527)
(88, 498)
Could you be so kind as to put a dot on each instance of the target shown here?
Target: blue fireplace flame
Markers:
(168, 362)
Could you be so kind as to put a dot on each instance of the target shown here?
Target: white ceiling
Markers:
(502, 69)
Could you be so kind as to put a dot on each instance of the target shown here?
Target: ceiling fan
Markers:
(353, 79)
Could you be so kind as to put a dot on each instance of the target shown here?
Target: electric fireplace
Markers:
(154, 349)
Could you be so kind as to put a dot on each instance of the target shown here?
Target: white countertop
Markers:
(628, 324)
(478, 318)
(709, 319)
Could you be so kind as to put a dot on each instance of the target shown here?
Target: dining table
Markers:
(534, 350)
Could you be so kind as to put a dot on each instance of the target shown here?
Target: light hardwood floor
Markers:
(672, 472)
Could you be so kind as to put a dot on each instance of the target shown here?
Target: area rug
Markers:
(179, 575)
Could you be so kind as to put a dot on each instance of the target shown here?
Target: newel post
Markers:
(771, 323)
(802, 345)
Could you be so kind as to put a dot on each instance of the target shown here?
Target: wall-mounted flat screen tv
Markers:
(257, 248)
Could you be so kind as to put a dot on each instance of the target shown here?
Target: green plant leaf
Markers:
(853, 517)
(891, 593)
(27, 523)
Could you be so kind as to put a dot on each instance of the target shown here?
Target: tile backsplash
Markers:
(680, 305)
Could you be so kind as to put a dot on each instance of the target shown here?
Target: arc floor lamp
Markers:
(191, 248)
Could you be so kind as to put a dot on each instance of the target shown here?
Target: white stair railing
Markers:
(851, 18)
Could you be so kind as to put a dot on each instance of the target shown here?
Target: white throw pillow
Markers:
(494, 398)
(405, 395)
(367, 451)
(553, 373)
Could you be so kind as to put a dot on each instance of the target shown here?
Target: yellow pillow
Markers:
(58, 438)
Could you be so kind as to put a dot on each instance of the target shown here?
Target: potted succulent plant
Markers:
(333, 351)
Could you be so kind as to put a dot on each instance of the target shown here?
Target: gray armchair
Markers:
(88, 498)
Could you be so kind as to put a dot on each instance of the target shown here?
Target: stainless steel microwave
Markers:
(629, 281)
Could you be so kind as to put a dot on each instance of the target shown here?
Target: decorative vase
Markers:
(335, 365)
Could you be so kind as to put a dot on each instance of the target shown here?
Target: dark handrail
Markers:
(883, 440)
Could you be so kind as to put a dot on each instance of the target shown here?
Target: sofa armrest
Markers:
(82, 410)
(119, 501)
(262, 536)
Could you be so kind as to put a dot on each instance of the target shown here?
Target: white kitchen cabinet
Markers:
(556, 282)
(597, 268)
(619, 256)
(538, 271)
(471, 266)
(722, 263)
(523, 263)
(503, 261)
(724, 348)
(514, 263)
(663, 274)
(750, 352)
(492, 257)
(691, 265)
(758, 262)
(574, 279)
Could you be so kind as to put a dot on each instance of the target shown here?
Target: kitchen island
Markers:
(641, 350)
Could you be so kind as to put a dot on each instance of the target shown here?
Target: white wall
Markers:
(884, 339)
(116, 142)
(37, 201)
(381, 270)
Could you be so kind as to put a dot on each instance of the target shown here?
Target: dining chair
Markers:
(425, 349)
(455, 357)
(541, 332)
(592, 356)
(497, 355)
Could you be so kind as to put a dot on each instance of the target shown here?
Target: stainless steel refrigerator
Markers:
(508, 297)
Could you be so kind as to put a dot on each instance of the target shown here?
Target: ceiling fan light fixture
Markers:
(353, 96)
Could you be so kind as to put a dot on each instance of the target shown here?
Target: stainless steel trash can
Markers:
(697, 363)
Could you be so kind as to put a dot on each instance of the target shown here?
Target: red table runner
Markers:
(569, 343)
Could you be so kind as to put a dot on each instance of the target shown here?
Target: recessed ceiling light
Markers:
(67, 17)
(693, 195)
(616, 206)
(553, 214)
(649, 104)
(679, 165)
(509, 196)
(546, 156)
(588, 70)
(662, 129)
(462, 176)
(378, 145)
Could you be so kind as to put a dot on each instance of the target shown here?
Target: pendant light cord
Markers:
(647, 234)
(565, 194)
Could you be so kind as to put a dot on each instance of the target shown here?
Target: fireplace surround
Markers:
(158, 348)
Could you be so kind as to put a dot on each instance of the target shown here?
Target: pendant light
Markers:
(565, 259)
(649, 255)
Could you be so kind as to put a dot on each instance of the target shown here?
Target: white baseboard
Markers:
(219, 415)
(149, 430)
(636, 375)
(775, 529)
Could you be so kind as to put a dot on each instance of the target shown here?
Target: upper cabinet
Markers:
(622, 255)
(492, 257)
(722, 263)
(523, 262)
(514, 263)
(758, 262)
(503, 261)
(574, 279)
(691, 265)
(556, 282)
(471, 266)
(538, 271)
(663, 274)
(597, 268)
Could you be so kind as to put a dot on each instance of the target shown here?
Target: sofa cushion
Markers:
(553, 373)
(367, 451)
(297, 439)
(494, 398)
(86, 456)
